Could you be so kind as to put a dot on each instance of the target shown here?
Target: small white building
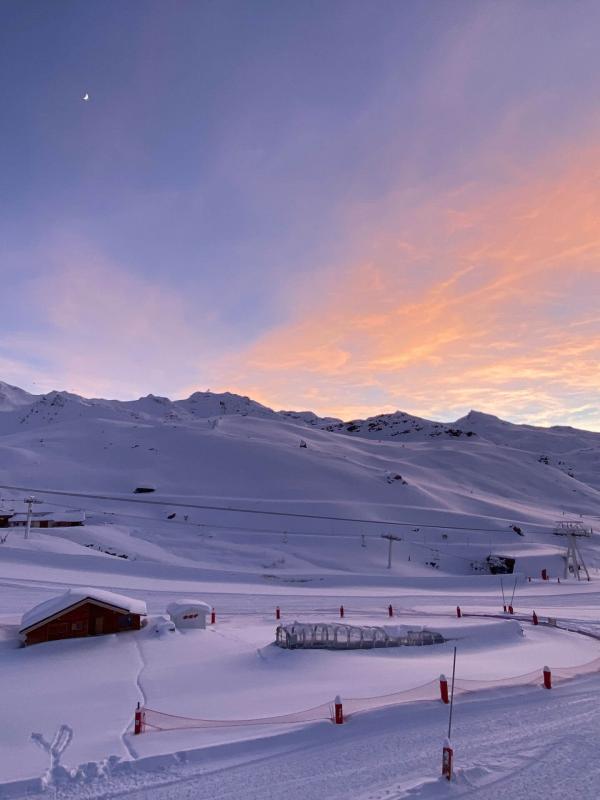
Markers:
(189, 613)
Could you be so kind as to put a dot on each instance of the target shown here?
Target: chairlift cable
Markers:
(263, 512)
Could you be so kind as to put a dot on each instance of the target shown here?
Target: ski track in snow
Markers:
(126, 734)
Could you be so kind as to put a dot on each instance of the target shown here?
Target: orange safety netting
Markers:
(160, 721)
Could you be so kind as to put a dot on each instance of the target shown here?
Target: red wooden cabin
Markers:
(81, 612)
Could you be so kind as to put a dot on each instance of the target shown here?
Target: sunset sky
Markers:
(348, 207)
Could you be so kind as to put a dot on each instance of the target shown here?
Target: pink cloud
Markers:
(106, 329)
(474, 299)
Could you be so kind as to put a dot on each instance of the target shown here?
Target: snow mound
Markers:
(184, 603)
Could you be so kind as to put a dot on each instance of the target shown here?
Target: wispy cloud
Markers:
(101, 329)
(472, 299)
(496, 311)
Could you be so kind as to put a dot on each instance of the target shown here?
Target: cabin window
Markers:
(77, 626)
(125, 621)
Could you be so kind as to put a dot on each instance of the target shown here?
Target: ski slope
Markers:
(254, 509)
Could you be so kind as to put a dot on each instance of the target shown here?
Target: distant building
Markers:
(81, 612)
(47, 519)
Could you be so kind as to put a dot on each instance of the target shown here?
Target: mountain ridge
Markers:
(228, 448)
(206, 404)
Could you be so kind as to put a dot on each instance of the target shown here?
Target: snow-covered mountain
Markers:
(11, 397)
(399, 424)
(573, 451)
(34, 410)
(228, 446)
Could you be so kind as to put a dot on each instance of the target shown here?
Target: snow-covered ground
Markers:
(247, 518)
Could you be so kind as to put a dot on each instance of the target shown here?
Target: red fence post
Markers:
(458, 612)
(277, 613)
(510, 610)
(504, 608)
(534, 619)
(339, 711)
(544, 574)
(342, 612)
(390, 611)
(213, 617)
(547, 678)
(138, 726)
(447, 759)
(444, 689)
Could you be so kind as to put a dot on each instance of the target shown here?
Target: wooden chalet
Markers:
(81, 612)
(48, 519)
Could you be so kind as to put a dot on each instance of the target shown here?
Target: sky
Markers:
(348, 207)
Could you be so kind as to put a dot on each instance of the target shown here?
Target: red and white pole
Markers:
(547, 678)
(458, 612)
(447, 759)
(444, 689)
(213, 617)
(277, 613)
(390, 611)
(448, 752)
(339, 711)
(138, 726)
(341, 612)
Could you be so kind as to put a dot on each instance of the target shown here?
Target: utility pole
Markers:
(30, 501)
(391, 538)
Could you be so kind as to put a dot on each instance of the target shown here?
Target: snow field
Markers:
(233, 671)
(508, 744)
(229, 452)
(87, 684)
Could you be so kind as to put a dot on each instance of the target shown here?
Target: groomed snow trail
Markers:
(508, 746)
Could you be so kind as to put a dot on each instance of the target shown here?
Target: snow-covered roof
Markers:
(180, 605)
(55, 605)
(51, 516)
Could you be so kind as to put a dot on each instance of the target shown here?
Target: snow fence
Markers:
(153, 720)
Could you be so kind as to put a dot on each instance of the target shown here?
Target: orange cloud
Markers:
(472, 300)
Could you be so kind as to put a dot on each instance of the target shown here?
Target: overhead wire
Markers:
(269, 513)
